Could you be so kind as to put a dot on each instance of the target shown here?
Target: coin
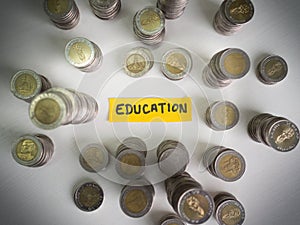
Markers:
(105, 9)
(88, 196)
(239, 11)
(172, 9)
(47, 111)
(171, 219)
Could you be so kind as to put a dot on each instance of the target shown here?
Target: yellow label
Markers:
(150, 109)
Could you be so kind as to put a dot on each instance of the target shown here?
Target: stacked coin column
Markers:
(172, 8)
(105, 10)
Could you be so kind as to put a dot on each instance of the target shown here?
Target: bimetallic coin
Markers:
(172, 9)
(94, 158)
(88, 196)
(171, 219)
(239, 11)
(176, 63)
(105, 9)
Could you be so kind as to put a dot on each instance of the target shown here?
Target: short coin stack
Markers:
(276, 132)
(59, 106)
(232, 15)
(171, 219)
(105, 9)
(149, 25)
(225, 66)
(172, 8)
(272, 69)
(33, 150)
(63, 13)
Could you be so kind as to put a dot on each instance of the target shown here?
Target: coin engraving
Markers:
(136, 201)
(47, 111)
(80, 52)
(150, 20)
(225, 115)
(274, 68)
(130, 163)
(89, 196)
(176, 63)
(231, 215)
(287, 134)
(25, 85)
(135, 63)
(58, 6)
(241, 10)
(230, 166)
(195, 207)
(26, 150)
(235, 64)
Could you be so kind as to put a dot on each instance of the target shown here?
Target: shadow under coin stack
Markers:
(105, 9)
(131, 158)
(136, 198)
(33, 150)
(224, 163)
(59, 106)
(63, 13)
(83, 54)
(149, 25)
(26, 84)
(232, 15)
(229, 211)
(172, 8)
(276, 132)
(225, 66)
(188, 199)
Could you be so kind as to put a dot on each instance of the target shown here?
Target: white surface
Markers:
(270, 188)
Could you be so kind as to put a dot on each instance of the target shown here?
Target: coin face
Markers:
(239, 11)
(25, 85)
(47, 111)
(58, 6)
(176, 63)
(80, 53)
(135, 63)
(26, 150)
(94, 158)
(89, 196)
(235, 64)
(230, 212)
(130, 163)
(150, 20)
(284, 136)
(136, 201)
(273, 69)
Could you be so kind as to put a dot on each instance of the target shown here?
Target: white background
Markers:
(270, 188)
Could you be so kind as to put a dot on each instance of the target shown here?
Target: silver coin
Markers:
(172, 8)
(105, 9)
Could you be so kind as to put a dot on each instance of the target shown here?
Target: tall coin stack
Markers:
(188, 199)
(172, 8)
(276, 132)
(33, 150)
(149, 25)
(26, 84)
(225, 66)
(105, 10)
(59, 106)
(232, 15)
(63, 13)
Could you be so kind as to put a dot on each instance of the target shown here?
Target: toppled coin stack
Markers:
(63, 13)
(149, 25)
(138, 62)
(131, 158)
(222, 115)
(272, 69)
(59, 106)
(188, 199)
(33, 150)
(228, 209)
(136, 198)
(94, 158)
(176, 63)
(171, 219)
(225, 66)
(83, 54)
(232, 15)
(88, 196)
(26, 84)
(173, 157)
(277, 132)
(105, 9)
(224, 163)
(172, 8)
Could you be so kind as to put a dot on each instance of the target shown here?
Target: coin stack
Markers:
(171, 219)
(138, 62)
(172, 8)
(228, 209)
(272, 69)
(277, 132)
(131, 158)
(222, 115)
(59, 106)
(173, 157)
(149, 25)
(83, 54)
(225, 66)
(94, 158)
(176, 63)
(88, 196)
(136, 198)
(188, 199)
(33, 150)
(224, 163)
(63, 13)
(105, 9)
(26, 84)
(232, 15)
